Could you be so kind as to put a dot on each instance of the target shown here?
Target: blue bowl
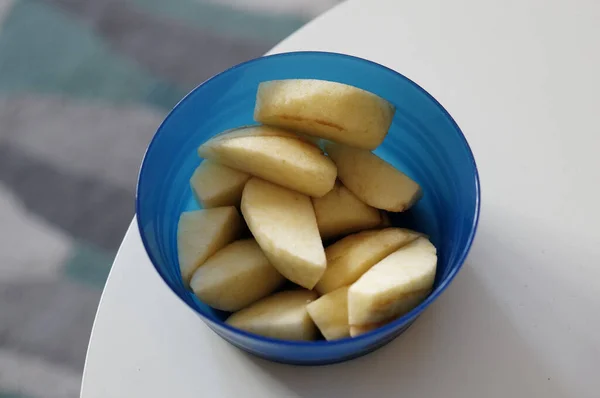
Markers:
(423, 141)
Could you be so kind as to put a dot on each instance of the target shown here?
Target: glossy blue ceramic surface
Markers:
(423, 141)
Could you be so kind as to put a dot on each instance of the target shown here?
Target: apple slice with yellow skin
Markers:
(215, 185)
(372, 179)
(349, 258)
(201, 233)
(235, 277)
(283, 223)
(393, 286)
(326, 109)
(330, 314)
(275, 155)
(282, 316)
(340, 212)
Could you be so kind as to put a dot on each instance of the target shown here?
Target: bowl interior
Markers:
(423, 141)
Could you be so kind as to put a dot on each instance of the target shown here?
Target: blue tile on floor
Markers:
(44, 50)
(88, 264)
(8, 394)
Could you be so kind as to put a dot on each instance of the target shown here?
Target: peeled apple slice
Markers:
(202, 233)
(215, 185)
(358, 330)
(275, 155)
(330, 314)
(393, 286)
(283, 223)
(280, 316)
(349, 258)
(340, 212)
(372, 179)
(326, 109)
(235, 277)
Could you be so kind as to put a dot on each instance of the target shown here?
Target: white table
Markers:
(523, 316)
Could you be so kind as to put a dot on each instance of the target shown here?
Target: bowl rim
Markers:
(383, 330)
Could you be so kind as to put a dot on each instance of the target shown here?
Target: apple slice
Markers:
(235, 277)
(321, 108)
(201, 233)
(393, 286)
(281, 316)
(330, 314)
(372, 179)
(340, 212)
(358, 330)
(215, 185)
(283, 223)
(275, 155)
(257, 130)
(349, 258)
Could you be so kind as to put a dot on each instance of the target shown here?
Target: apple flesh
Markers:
(393, 286)
(330, 314)
(358, 330)
(235, 277)
(325, 109)
(282, 316)
(340, 212)
(201, 233)
(275, 155)
(349, 258)
(283, 223)
(215, 185)
(372, 179)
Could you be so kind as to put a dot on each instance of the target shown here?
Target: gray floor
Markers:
(83, 86)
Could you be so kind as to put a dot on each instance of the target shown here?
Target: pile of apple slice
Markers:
(293, 197)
